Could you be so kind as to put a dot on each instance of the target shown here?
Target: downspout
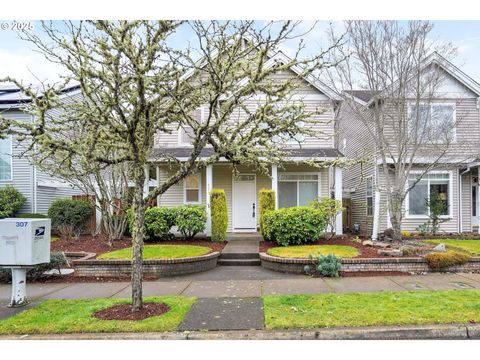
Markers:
(376, 207)
(460, 209)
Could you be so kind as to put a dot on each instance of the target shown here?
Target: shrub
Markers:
(70, 217)
(11, 200)
(295, 225)
(330, 208)
(406, 233)
(267, 203)
(190, 220)
(218, 203)
(57, 260)
(158, 222)
(328, 265)
(32, 216)
(443, 260)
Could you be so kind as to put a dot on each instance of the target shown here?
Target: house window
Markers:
(433, 123)
(369, 196)
(6, 158)
(474, 200)
(192, 192)
(297, 189)
(186, 132)
(431, 183)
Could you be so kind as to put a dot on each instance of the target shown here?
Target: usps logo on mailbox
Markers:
(40, 231)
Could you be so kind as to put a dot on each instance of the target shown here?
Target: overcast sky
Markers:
(19, 60)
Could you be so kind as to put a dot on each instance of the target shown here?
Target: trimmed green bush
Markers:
(32, 216)
(294, 225)
(190, 220)
(267, 203)
(441, 261)
(11, 200)
(218, 204)
(57, 260)
(158, 222)
(70, 217)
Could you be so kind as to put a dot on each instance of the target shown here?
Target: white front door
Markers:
(244, 203)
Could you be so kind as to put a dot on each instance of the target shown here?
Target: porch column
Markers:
(275, 183)
(376, 215)
(147, 181)
(158, 184)
(208, 186)
(338, 196)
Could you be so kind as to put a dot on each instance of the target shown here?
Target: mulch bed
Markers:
(124, 311)
(99, 244)
(364, 251)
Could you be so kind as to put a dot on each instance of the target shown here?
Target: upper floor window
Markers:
(437, 183)
(434, 123)
(6, 158)
(187, 133)
(369, 195)
(192, 189)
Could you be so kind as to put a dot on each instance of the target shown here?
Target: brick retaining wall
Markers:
(405, 264)
(158, 268)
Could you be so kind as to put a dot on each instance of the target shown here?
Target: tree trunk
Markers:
(138, 236)
(396, 216)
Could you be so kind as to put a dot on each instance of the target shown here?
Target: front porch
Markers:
(294, 183)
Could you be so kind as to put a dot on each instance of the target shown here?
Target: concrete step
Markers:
(239, 262)
(239, 255)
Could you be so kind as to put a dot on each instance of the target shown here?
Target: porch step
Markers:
(239, 255)
(238, 262)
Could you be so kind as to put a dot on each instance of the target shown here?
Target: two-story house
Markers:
(39, 188)
(294, 182)
(454, 177)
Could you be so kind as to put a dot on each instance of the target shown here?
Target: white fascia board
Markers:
(429, 160)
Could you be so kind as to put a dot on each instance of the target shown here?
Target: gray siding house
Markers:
(455, 176)
(39, 188)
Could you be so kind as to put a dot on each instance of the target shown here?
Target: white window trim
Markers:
(319, 181)
(431, 104)
(450, 195)
(369, 178)
(199, 191)
(11, 161)
(180, 129)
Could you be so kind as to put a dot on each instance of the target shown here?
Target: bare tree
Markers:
(134, 85)
(396, 66)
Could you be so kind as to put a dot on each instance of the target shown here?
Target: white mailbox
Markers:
(24, 242)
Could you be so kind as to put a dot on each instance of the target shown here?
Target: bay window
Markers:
(430, 184)
(297, 189)
(6, 158)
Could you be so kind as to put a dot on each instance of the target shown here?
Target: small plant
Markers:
(267, 203)
(406, 233)
(11, 200)
(328, 265)
(295, 225)
(423, 229)
(357, 240)
(330, 209)
(70, 217)
(218, 203)
(441, 261)
(190, 220)
(438, 209)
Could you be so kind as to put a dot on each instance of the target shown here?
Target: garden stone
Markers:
(393, 253)
(439, 248)
(367, 243)
(381, 244)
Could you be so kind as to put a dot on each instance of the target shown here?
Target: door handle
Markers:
(253, 215)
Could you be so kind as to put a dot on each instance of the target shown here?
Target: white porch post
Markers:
(146, 183)
(275, 183)
(209, 186)
(376, 215)
(158, 184)
(338, 196)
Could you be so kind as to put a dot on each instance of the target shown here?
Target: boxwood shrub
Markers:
(190, 220)
(441, 261)
(267, 203)
(294, 225)
(70, 217)
(218, 203)
(11, 200)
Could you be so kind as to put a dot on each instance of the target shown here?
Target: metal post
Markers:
(19, 287)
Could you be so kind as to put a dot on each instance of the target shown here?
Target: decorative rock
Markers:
(408, 250)
(381, 244)
(388, 232)
(393, 253)
(439, 248)
(367, 243)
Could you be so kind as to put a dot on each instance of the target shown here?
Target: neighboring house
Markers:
(455, 177)
(39, 188)
(294, 182)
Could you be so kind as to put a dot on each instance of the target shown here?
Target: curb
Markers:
(420, 332)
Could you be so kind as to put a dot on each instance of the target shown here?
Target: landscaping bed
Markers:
(77, 316)
(372, 309)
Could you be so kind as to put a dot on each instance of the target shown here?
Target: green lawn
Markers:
(368, 309)
(470, 246)
(158, 252)
(75, 316)
(302, 251)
